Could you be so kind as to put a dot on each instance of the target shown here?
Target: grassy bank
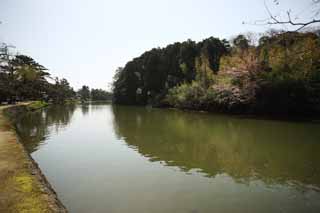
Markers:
(36, 105)
(23, 188)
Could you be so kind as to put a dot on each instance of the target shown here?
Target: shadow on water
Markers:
(245, 149)
(35, 127)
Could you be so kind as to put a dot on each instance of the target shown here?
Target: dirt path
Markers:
(22, 186)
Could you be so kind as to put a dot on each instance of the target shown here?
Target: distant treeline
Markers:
(278, 73)
(85, 94)
(23, 79)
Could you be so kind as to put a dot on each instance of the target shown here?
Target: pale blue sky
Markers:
(86, 40)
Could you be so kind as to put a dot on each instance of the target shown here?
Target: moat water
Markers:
(123, 159)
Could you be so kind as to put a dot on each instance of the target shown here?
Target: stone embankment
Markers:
(23, 188)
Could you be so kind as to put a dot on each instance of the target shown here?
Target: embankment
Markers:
(23, 188)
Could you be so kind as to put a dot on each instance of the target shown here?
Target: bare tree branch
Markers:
(276, 20)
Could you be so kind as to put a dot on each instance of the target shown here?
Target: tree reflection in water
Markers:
(34, 127)
(274, 152)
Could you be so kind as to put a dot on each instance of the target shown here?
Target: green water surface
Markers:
(123, 159)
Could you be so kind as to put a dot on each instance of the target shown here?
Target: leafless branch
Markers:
(275, 20)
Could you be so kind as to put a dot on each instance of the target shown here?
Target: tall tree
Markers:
(84, 93)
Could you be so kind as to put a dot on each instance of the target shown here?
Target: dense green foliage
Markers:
(84, 93)
(22, 78)
(94, 95)
(148, 78)
(280, 74)
(100, 95)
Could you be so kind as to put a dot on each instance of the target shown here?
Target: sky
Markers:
(85, 41)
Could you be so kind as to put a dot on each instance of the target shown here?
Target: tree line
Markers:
(85, 94)
(22, 78)
(277, 73)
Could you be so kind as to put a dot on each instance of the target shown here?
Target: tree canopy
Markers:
(22, 78)
(86, 94)
(279, 74)
(146, 79)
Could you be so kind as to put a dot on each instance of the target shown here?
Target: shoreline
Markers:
(23, 187)
(257, 116)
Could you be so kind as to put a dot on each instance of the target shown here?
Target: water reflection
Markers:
(133, 159)
(245, 149)
(85, 108)
(35, 127)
